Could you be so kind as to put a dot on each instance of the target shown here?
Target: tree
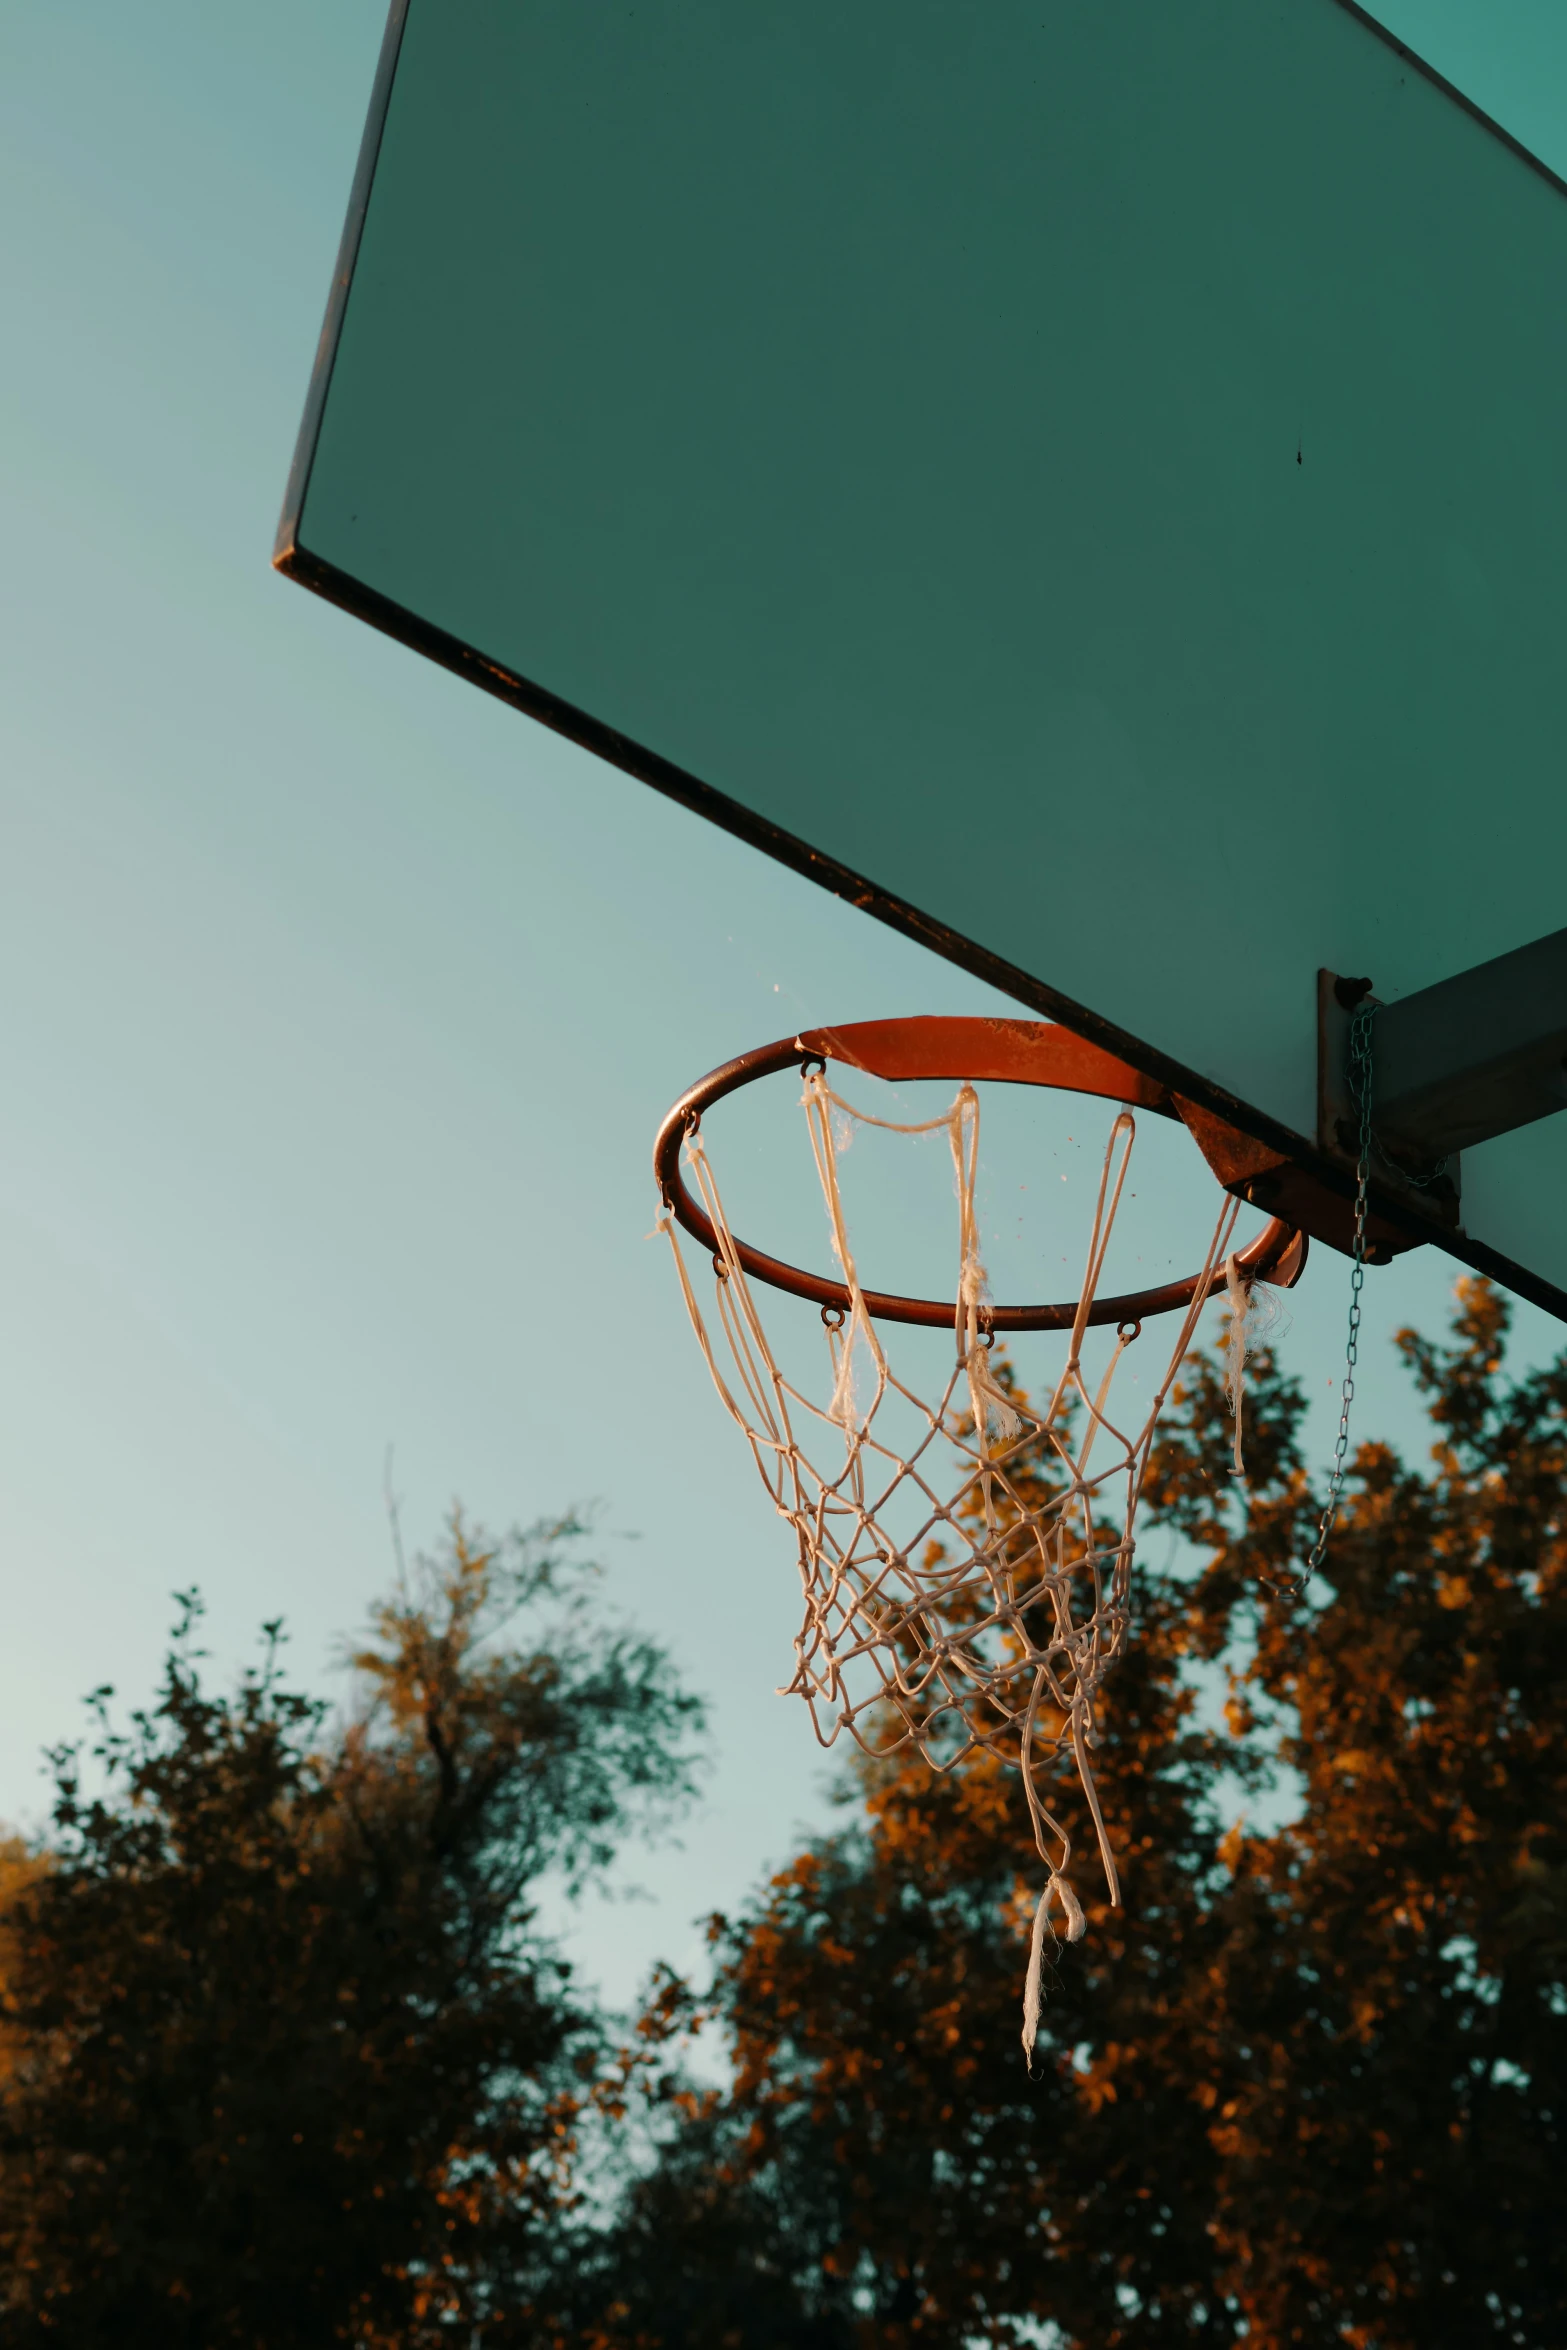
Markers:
(289, 2060)
(1308, 2087)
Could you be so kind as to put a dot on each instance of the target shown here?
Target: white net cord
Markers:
(1255, 1311)
(965, 1562)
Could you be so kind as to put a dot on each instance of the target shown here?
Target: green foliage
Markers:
(287, 2061)
(1308, 2087)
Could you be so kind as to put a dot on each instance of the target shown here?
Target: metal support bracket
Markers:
(1474, 1056)
(1453, 1066)
(1271, 1180)
(1429, 1184)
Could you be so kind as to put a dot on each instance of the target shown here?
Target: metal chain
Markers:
(1360, 1089)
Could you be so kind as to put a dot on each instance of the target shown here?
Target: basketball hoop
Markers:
(966, 1562)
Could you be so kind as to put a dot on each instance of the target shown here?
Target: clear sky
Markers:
(342, 1003)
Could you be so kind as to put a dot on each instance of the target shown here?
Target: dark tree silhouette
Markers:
(285, 2058)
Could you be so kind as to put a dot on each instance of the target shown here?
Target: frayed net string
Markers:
(1255, 1309)
(951, 1608)
(1235, 1354)
(995, 1420)
(993, 1415)
(1058, 1889)
(861, 1331)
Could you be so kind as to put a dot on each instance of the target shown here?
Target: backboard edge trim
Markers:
(1451, 90)
(342, 281)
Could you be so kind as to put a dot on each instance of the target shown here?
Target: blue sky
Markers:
(342, 1003)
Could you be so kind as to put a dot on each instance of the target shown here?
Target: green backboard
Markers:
(1088, 483)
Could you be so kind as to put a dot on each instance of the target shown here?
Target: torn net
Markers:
(965, 1560)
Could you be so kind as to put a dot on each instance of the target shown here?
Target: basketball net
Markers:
(966, 1562)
